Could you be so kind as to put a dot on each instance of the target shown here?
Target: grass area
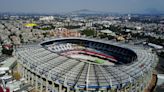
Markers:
(99, 61)
(30, 25)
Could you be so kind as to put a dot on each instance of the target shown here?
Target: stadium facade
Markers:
(82, 64)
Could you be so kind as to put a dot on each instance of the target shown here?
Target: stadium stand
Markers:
(46, 66)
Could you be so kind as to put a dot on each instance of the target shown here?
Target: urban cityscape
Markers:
(99, 47)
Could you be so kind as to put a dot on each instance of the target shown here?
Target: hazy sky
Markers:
(54, 6)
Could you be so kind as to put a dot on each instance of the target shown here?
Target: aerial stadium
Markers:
(86, 65)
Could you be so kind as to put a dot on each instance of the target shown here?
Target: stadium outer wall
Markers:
(44, 87)
(43, 84)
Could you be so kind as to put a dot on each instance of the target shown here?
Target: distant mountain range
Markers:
(150, 11)
(85, 11)
(88, 12)
(153, 11)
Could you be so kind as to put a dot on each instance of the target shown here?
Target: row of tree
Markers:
(88, 32)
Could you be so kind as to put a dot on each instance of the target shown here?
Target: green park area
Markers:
(99, 61)
(30, 25)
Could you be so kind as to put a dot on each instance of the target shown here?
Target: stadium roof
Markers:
(81, 74)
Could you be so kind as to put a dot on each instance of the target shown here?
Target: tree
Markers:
(103, 35)
(88, 32)
(16, 75)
